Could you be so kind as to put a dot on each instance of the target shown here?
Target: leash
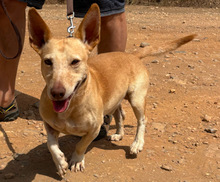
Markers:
(70, 16)
(16, 32)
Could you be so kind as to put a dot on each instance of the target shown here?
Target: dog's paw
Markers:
(62, 168)
(61, 164)
(77, 163)
(115, 137)
(136, 147)
(77, 166)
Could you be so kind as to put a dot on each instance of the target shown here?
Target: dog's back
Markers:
(118, 75)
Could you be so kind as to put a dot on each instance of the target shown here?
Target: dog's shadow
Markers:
(28, 106)
(39, 161)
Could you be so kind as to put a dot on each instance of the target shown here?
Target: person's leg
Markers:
(113, 38)
(113, 33)
(9, 46)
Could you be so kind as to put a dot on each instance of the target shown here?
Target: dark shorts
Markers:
(34, 3)
(107, 7)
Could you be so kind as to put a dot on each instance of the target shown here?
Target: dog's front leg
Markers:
(77, 162)
(57, 154)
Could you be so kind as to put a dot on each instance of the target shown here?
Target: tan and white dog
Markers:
(80, 90)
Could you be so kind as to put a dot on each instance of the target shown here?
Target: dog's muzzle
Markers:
(60, 105)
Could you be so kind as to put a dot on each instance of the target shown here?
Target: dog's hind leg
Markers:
(137, 101)
(119, 121)
(57, 154)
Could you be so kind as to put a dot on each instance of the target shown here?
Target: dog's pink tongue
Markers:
(60, 106)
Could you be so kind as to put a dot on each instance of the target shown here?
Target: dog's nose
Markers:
(58, 91)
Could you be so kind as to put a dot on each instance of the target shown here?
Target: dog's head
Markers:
(64, 61)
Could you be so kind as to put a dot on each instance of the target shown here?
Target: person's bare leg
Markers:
(113, 33)
(113, 39)
(9, 46)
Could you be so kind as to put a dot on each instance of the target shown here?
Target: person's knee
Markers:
(113, 20)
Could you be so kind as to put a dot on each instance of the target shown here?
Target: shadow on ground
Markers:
(39, 161)
(28, 106)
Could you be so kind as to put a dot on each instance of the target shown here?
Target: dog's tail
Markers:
(151, 51)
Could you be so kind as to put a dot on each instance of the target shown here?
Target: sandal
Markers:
(10, 113)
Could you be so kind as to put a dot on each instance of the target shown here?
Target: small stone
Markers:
(31, 122)
(166, 167)
(215, 60)
(144, 27)
(168, 75)
(206, 118)
(181, 161)
(144, 44)
(195, 144)
(191, 66)
(43, 132)
(172, 91)
(172, 141)
(9, 176)
(205, 143)
(155, 61)
(154, 105)
(211, 130)
(15, 156)
(96, 175)
(196, 40)
(180, 52)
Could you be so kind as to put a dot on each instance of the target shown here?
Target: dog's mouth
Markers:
(62, 105)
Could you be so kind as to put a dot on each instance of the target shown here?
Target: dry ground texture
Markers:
(183, 129)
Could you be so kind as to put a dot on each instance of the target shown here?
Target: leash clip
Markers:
(71, 28)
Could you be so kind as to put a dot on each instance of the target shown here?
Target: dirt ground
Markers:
(182, 134)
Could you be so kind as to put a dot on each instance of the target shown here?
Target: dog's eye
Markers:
(48, 62)
(74, 62)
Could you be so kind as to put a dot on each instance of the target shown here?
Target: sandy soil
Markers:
(183, 130)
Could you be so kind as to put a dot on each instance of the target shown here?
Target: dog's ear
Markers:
(39, 33)
(89, 29)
